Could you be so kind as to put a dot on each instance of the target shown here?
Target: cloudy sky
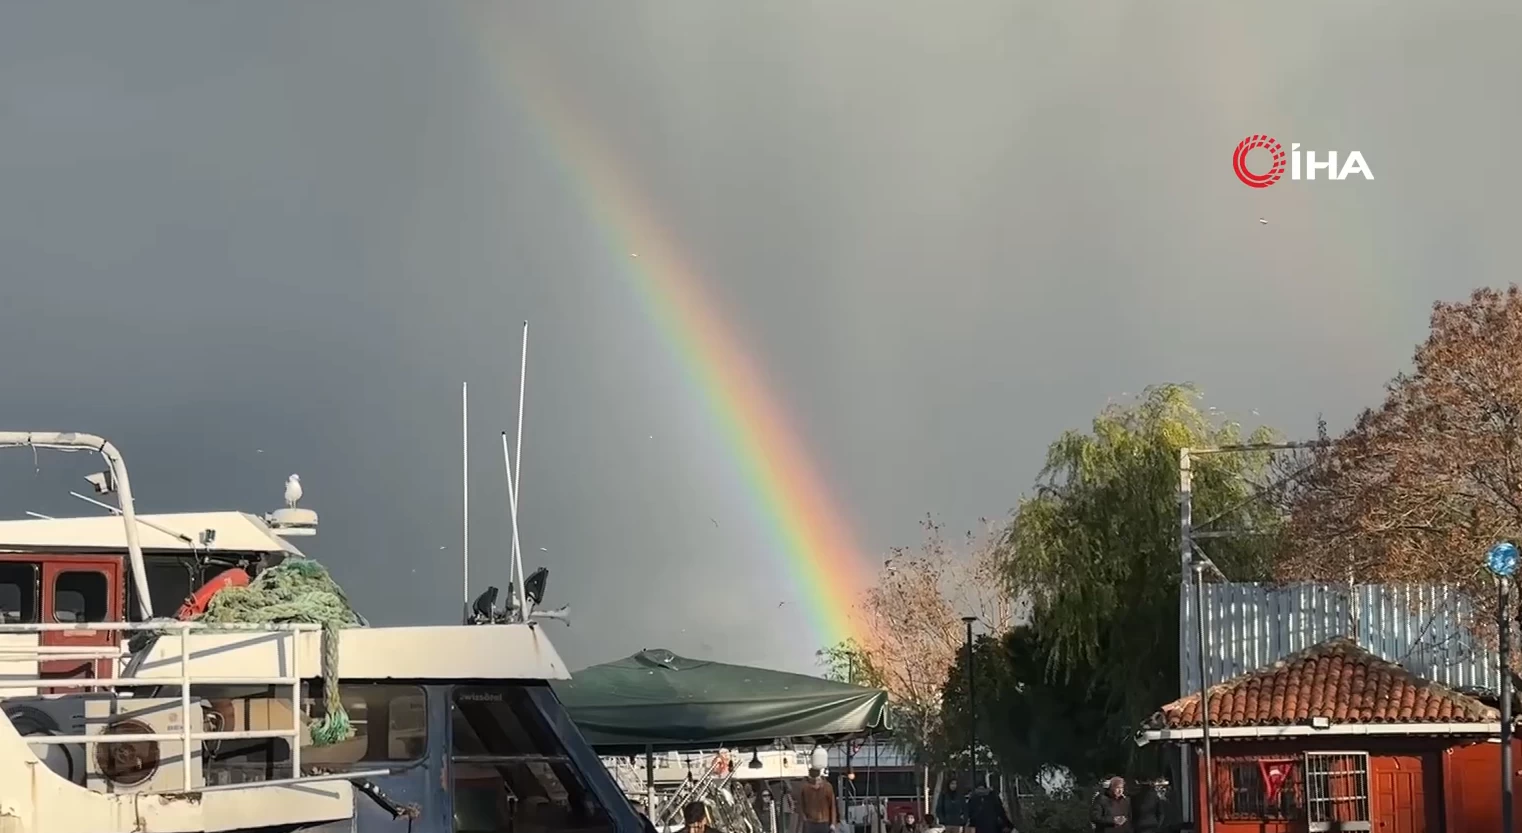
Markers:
(247, 239)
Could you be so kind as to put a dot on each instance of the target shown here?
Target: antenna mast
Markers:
(465, 497)
(512, 511)
(516, 493)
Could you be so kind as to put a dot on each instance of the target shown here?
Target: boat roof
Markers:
(419, 652)
(234, 532)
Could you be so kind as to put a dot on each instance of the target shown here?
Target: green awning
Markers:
(660, 700)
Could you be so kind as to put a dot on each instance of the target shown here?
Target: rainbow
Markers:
(808, 530)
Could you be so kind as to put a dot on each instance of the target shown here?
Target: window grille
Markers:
(1242, 793)
(1337, 791)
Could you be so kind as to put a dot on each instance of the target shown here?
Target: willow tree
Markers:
(1095, 549)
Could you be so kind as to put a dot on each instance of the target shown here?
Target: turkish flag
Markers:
(1274, 774)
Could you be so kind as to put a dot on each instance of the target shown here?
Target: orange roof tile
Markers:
(1337, 680)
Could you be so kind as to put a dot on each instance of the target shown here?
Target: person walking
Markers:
(1111, 810)
(986, 813)
(817, 808)
(1151, 808)
(908, 824)
(767, 812)
(951, 807)
(695, 818)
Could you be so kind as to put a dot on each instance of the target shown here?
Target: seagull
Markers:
(714, 522)
(292, 489)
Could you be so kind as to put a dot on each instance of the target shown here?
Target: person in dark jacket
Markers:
(986, 813)
(767, 811)
(951, 807)
(1151, 808)
(1111, 810)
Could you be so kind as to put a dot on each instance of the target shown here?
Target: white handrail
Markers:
(187, 736)
(166, 682)
(158, 625)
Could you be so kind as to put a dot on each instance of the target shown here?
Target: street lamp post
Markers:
(1502, 561)
(849, 775)
(972, 708)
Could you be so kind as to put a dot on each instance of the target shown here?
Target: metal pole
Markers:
(850, 678)
(1199, 620)
(1503, 620)
(465, 499)
(650, 783)
(512, 511)
(972, 709)
(1186, 558)
(517, 483)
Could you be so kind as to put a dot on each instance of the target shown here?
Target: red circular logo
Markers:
(1246, 146)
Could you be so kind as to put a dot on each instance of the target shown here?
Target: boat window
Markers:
(169, 585)
(510, 771)
(390, 725)
(80, 596)
(18, 593)
(247, 708)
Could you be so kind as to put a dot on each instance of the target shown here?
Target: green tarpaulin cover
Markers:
(660, 700)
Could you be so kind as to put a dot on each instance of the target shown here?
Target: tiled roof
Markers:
(1336, 680)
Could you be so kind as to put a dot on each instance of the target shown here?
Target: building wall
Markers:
(1472, 786)
(1406, 782)
(1252, 626)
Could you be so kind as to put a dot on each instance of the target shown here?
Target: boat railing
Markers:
(192, 730)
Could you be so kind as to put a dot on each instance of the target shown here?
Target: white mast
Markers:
(465, 497)
(521, 597)
(516, 493)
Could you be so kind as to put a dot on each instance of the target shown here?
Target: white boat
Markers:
(119, 721)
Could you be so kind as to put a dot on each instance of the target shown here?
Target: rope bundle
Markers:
(298, 590)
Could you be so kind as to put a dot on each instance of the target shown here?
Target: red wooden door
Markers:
(1399, 799)
(81, 589)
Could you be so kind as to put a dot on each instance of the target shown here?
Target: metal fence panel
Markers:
(1251, 626)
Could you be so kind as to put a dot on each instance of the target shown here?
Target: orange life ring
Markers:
(196, 604)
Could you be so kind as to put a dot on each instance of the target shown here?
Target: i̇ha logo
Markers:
(1353, 164)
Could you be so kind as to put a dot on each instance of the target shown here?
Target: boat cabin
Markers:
(67, 570)
(453, 728)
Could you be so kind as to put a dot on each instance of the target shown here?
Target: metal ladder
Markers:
(698, 789)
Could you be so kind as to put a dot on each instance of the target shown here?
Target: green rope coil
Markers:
(298, 590)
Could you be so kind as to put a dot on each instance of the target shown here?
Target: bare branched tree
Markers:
(1419, 488)
(912, 629)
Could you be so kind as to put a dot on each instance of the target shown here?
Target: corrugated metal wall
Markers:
(1250, 626)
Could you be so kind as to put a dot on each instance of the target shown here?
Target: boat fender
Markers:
(197, 603)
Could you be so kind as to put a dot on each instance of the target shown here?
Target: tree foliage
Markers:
(1095, 551)
(911, 621)
(1031, 721)
(1419, 488)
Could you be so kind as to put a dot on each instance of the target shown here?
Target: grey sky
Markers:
(947, 232)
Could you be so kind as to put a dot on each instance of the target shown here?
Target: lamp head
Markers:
(1502, 559)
